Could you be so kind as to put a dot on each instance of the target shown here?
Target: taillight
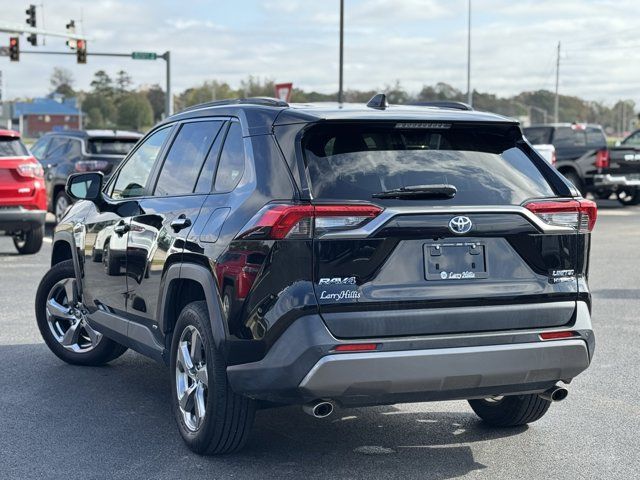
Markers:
(91, 165)
(303, 221)
(30, 170)
(554, 158)
(580, 215)
(602, 159)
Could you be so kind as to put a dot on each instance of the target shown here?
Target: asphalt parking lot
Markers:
(59, 421)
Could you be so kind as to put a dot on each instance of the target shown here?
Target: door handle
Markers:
(121, 228)
(180, 223)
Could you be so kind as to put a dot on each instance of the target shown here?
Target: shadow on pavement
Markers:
(83, 422)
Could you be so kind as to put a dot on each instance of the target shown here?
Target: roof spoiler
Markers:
(444, 104)
(262, 101)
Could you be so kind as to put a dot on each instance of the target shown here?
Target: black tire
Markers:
(110, 263)
(575, 179)
(228, 416)
(629, 197)
(602, 194)
(106, 349)
(29, 242)
(511, 411)
(58, 202)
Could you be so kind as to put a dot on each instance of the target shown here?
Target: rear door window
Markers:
(186, 157)
(568, 137)
(231, 166)
(596, 138)
(484, 163)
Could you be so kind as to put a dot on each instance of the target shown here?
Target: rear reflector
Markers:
(303, 221)
(356, 347)
(557, 335)
(580, 215)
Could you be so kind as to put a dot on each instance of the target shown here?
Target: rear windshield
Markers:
(484, 163)
(111, 146)
(538, 135)
(12, 147)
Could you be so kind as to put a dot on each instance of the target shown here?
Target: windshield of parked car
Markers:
(484, 163)
(12, 147)
(111, 146)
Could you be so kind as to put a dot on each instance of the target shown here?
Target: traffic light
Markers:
(31, 15)
(81, 51)
(71, 28)
(14, 48)
(33, 39)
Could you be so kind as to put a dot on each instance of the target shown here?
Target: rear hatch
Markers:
(105, 154)
(17, 173)
(433, 228)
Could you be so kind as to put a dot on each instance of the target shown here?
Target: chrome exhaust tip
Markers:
(318, 409)
(555, 394)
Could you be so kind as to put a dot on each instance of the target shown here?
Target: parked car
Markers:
(581, 150)
(72, 151)
(23, 198)
(622, 175)
(395, 253)
(548, 152)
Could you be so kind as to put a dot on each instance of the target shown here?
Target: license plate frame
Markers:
(455, 261)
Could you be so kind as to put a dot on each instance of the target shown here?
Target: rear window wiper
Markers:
(442, 190)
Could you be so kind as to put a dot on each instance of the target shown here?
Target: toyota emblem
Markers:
(460, 225)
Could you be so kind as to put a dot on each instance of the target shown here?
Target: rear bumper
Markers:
(301, 367)
(19, 219)
(608, 180)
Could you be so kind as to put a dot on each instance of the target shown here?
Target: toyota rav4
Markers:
(327, 255)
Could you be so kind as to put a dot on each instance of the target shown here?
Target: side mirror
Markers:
(85, 186)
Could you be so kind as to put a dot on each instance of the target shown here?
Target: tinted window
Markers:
(39, 148)
(538, 135)
(186, 157)
(74, 150)
(12, 147)
(231, 165)
(134, 174)
(58, 146)
(111, 146)
(596, 138)
(205, 180)
(484, 163)
(632, 140)
(566, 137)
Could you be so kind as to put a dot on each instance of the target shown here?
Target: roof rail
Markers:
(262, 101)
(444, 104)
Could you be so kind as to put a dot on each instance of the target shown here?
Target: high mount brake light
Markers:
(580, 215)
(303, 221)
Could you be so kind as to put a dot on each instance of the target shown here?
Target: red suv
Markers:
(23, 197)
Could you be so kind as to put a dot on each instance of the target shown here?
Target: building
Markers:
(42, 115)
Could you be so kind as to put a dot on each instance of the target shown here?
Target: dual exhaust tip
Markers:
(318, 408)
(324, 408)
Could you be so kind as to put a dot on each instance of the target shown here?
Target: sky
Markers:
(418, 42)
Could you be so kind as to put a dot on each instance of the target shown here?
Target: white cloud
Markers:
(416, 41)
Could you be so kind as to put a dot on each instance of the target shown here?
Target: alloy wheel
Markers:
(192, 381)
(67, 321)
(61, 206)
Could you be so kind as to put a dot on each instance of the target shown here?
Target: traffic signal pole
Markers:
(166, 56)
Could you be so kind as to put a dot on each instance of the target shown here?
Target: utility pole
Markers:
(168, 104)
(340, 99)
(557, 99)
(469, 92)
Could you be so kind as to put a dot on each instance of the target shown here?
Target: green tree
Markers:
(62, 82)
(135, 112)
(123, 82)
(102, 84)
(155, 95)
(103, 108)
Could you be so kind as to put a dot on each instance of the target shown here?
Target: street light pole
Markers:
(340, 99)
(469, 92)
(168, 104)
(556, 103)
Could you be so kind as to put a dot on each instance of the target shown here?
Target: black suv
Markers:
(72, 151)
(581, 150)
(398, 254)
